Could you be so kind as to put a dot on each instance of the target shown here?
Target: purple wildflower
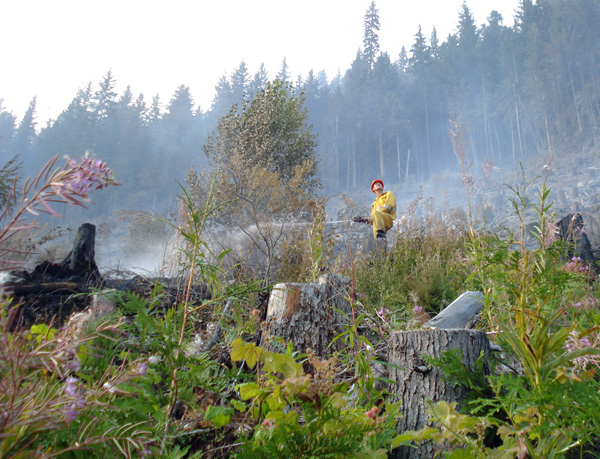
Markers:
(418, 310)
(74, 390)
(141, 368)
(71, 385)
(70, 415)
(74, 364)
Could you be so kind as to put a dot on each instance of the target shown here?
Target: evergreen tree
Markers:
(240, 82)
(8, 123)
(105, 96)
(183, 133)
(388, 115)
(73, 132)
(402, 62)
(420, 64)
(222, 101)
(284, 72)
(25, 135)
(355, 108)
(371, 35)
(260, 80)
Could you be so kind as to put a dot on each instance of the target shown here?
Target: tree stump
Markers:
(306, 315)
(572, 230)
(418, 382)
(50, 293)
(82, 258)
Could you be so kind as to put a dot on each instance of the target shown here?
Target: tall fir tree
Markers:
(25, 135)
(371, 35)
(284, 71)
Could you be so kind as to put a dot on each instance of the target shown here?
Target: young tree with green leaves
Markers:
(264, 160)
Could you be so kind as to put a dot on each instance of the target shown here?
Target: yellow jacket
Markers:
(383, 212)
(385, 203)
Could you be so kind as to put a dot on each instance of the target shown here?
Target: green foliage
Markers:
(270, 135)
(270, 132)
(465, 433)
(8, 176)
(424, 269)
(51, 406)
(305, 253)
(309, 416)
(454, 371)
(529, 298)
(265, 165)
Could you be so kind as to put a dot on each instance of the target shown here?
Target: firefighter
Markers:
(383, 211)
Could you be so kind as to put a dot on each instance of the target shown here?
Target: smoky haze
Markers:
(522, 94)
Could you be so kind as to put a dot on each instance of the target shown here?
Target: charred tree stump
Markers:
(417, 381)
(306, 315)
(49, 294)
(81, 260)
(571, 230)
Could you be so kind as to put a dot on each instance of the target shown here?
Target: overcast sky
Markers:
(50, 48)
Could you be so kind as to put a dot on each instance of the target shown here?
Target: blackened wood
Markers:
(81, 259)
(26, 289)
(572, 230)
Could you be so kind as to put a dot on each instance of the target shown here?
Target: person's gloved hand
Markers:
(359, 220)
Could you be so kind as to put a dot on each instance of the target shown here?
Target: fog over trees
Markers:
(523, 90)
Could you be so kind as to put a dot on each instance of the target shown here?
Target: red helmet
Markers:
(374, 182)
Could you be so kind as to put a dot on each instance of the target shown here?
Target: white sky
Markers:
(51, 48)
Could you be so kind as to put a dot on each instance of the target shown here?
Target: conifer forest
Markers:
(284, 318)
(520, 90)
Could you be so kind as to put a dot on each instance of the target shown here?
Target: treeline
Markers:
(520, 90)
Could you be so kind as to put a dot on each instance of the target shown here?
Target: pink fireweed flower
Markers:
(383, 312)
(584, 362)
(85, 174)
(418, 310)
(575, 265)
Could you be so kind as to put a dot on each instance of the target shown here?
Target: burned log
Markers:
(307, 314)
(51, 292)
(571, 229)
(45, 287)
(416, 381)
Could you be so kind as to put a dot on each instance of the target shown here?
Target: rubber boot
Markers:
(380, 245)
